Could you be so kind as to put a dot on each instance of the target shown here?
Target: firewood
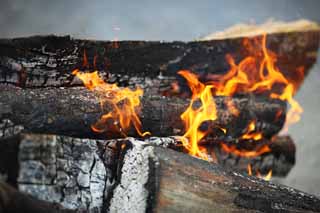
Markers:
(47, 61)
(87, 175)
(71, 111)
(16, 202)
(154, 179)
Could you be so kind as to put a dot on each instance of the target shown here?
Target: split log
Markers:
(88, 175)
(72, 111)
(154, 179)
(47, 61)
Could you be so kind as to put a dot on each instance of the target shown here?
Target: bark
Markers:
(72, 111)
(154, 179)
(47, 61)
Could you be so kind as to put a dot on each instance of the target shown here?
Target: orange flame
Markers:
(250, 134)
(245, 153)
(258, 174)
(124, 103)
(193, 118)
(256, 73)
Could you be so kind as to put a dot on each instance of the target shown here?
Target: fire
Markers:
(194, 117)
(250, 134)
(256, 74)
(267, 177)
(124, 103)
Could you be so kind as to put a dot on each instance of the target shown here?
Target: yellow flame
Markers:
(124, 104)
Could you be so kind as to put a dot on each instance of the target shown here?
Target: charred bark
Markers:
(47, 61)
(154, 179)
(72, 111)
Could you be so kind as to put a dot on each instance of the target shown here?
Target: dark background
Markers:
(178, 20)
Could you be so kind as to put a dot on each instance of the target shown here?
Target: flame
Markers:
(250, 134)
(124, 103)
(256, 74)
(245, 153)
(193, 118)
(267, 177)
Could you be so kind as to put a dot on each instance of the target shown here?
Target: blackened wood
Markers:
(154, 179)
(15, 202)
(47, 61)
(72, 111)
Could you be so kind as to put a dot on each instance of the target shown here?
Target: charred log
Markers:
(72, 111)
(47, 61)
(153, 179)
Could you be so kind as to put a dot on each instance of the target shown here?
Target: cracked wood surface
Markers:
(47, 61)
(71, 112)
(175, 182)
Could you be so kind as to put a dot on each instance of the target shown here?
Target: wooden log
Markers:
(14, 201)
(72, 111)
(86, 175)
(47, 61)
(75, 173)
(154, 179)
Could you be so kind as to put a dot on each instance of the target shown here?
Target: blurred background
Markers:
(179, 20)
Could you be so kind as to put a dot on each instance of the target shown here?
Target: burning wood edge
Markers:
(47, 61)
(132, 175)
(71, 111)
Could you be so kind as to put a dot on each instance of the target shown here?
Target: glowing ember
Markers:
(124, 104)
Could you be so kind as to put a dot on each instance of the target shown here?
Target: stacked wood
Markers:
(47, 61)
(71, 111)
(130, 175)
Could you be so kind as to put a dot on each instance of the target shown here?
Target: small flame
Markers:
(250, 134)
(245, 153)
(258, 174)
(124, 103)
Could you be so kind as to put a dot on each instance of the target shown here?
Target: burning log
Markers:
(133, 175)
(279, 159)
(47, 61)
(72, 111)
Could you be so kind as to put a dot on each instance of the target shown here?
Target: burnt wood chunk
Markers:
(154, 179)
(47, 61)
(72, 111)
